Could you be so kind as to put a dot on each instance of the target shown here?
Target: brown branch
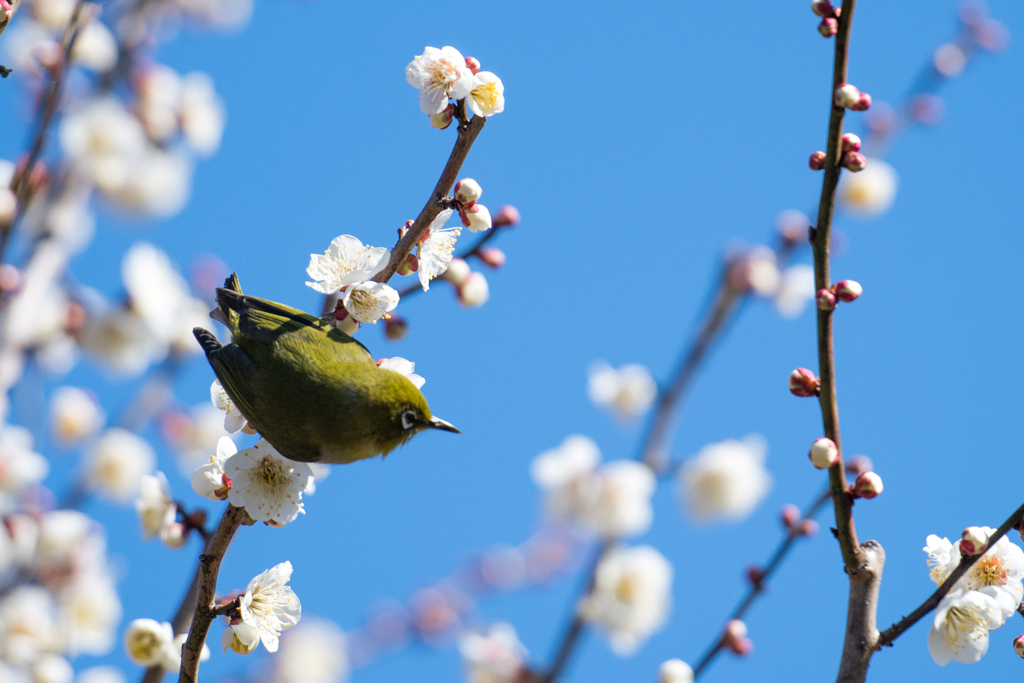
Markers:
(862, 606)
(205, 609)
(893, 632)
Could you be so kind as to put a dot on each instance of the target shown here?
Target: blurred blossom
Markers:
(194, 434)
(52, 668)
(474, 292)
(268, 485)
(102, 139)
(157, 184)
(871, 192)
(28, 625)
(75, 414)
(120, 339)
(759, 272)
(202, 113)
(269, 606)
(66, 218)
(95, 48)
(101, 674)
(725, 480)
(20, 466)
(795, 291)
(24, 42)
(217, 14)
(116, 464)
(52, 14)
(578, 456)
(66, 538)
(155, 506)
(631, 597)
(675, 671)
(170, 655)
(145, 640)
(627, 392)
(159, 294)
(234, 421)
(494, 656)
(90, 610)
(315, 651)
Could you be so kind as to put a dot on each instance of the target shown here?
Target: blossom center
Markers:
(272, 475)
(486, 95)
(626, 589)
(444, 72)
(960, 621)
(989, 571)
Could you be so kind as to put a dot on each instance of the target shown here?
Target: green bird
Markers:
(312, 391)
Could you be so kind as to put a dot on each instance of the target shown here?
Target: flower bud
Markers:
(863, 102)
(817, 161)
(735, 638)
(823, 8)
(410, 265)
(507, 217)
(855, 161)
(755, 575)
(974, 541)
(476, 217)
(443, 119)
(675, 671)
(848, 290)
(868, 485)
(395, 327)
(927, 109)
(493, 257)
(807, 528)
(828, 27)
(790, 515)
(803, 383)
(846, 96)
(174, 535)
(473, 64)
(851, 142)
(474, 292)
(8, 207)
(1018, 646)
(857, 464)
(458, 271)
(824, 453)
(467, 191)
(826, 300)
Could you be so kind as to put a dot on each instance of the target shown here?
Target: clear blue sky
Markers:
(638, 140)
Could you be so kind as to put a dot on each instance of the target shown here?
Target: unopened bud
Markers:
(458, 271)
(868, 485)
(473, 64)
(828, 27)
(826, 300)
(863, 102)
(927, 109)
(755, 575)
(857, 464)
(824, 453)
(443, 119)
(735, 638)
(474, 292)
(823, 8)
(974, 541)
(790, 515)
(476, 217)
(807, 528)
(467, 191)
(507, 217)
(803, 383)
(846, 96)
(848, 290)
(675, 671)
(410, 265)
(817, 160)
(851, 142)
(8, 207)
(493, 257)
(1018, 646)
(395, 327)
(855, 161)
(175, 535)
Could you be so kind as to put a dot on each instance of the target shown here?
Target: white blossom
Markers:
(795, 291)
(487, 97)
(75, 414)
(121, 339)
(101, 674)
(194, 434)
(159, 294)
(402, 367)
(234, 421)
(1000, 568)
(103, 139)
(202, 113)
(240, 638)
(962, 622)
(145, 640)
(266, 484)
(631, 596)
(476, 217)
(269, 606)
(940, 553)
(577, 456)
(675, 671)
(20, 466)
(90, 610)
(116, 464)
(157, 183)
(28, 624)
(725, 480)
(155, 506)
(312, 652)
(870, 192)
(435, 252)
(494, 656)
(52, 668)
(347, 261)
(209, 480)
(53, 14)
(474, 291)
(368, 302)
(439, 75)
(626, 392)
(95, 47)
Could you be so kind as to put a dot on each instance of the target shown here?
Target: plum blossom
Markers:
(871, 192)
(402, 367)
(155, 506)
(20, 465)
(368, 302)
(266, 484)
(796, 290)
(145, 640)
(209, 480)
(487, 97)
(345, 262)
(439, 75)
(234, 421)
(75, 414)
(312, 652)
(1001, 568)
(627, 392)
(116, 464)
(435, 252)
(269, 606)
(631, 596)
(725, 480)
(962, 622)
(494, 656)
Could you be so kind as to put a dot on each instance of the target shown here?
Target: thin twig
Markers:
(890, 634)
(205, 610)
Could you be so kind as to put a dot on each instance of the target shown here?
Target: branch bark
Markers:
(861, 630)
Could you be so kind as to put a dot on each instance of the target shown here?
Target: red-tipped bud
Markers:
(817, 161)
(863, 102)
(410, 265)
(473, 64)
(846, 96)
(790, 515)
(858, 464)
(825, 299)
(1018, 646)
(851, 142)
(828, 27)
(823, 8)
(974, 541)
(735, 639)
(803, 383)
(493, 257)
(755, 575)
(395, 327)
(807, 528)
(458, 271)
(507, 217)
(855, 161)
(467, 191)
(824, 453)
(848, 290)
(444, 119)
(868, 485)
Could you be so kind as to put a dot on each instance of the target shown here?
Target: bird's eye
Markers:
(409, 419)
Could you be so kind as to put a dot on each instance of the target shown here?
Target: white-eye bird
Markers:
(315, 393)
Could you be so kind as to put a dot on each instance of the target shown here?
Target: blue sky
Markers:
(638, 141)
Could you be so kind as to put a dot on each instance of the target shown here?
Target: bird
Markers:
(315, 393)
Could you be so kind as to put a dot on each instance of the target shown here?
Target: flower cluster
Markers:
(725, 480)
(756, 270)
(266, 608)
(444, 78)
(626, 392)
(348, 266)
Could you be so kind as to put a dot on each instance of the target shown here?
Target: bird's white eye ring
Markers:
(409, 419)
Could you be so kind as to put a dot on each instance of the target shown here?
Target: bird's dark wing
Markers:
(233, 367)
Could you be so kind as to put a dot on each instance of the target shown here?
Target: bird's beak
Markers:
(438, 423)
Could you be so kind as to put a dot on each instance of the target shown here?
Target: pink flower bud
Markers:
(755, 575)
(803, 383)
(474, 292)
(823, 8)
(927, 109)
(846, 96)
(443, 119)
(828, 27)
(507, 217)
(817, 161)
(824, 453)
(848, 290)
(476, 217)
(992, 35)
(395, 327)
(493, 257)
(473, 64)
(735, 638)
(858, 464)
(851, 142)
(855, 161)
(1018, 646)
(735, 628)
(826, 300)
(807, 528)
(868, 485)
(410, 265)
(790, 515)
(467, 191)
(458, 271)
(863, 102)
(974, 541)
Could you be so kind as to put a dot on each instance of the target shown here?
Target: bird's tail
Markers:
(227, 303)
(207, 340)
